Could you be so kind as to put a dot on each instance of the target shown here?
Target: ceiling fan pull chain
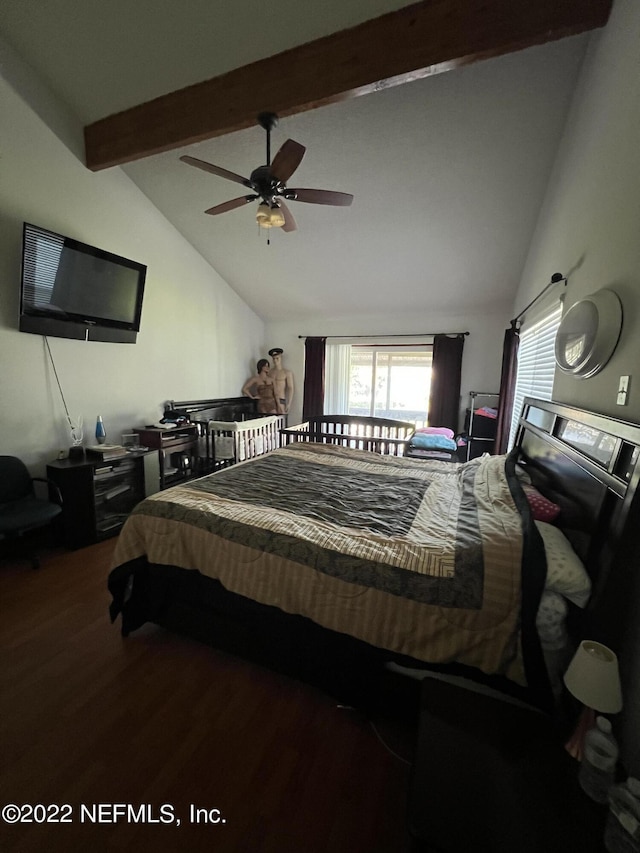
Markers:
(261, 229)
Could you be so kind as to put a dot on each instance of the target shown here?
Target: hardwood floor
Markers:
(156, 720)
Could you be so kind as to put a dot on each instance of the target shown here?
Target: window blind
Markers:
(536, 362)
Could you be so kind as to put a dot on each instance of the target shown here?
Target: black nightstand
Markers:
(491, 776)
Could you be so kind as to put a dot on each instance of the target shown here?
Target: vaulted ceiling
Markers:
(448, 170)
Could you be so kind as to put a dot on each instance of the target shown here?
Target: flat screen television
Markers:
(72, 290)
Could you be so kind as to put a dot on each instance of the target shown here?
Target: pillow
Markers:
(542, 508)
(437, 431)
(566, 573)
(551, 621)
(432, 442)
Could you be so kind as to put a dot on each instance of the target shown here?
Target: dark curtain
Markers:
(507, 387)
(313, 391)
(444, 400)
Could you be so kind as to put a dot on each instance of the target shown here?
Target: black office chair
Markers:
(20, 509)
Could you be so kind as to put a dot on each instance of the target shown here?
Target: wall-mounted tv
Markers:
(72, 290)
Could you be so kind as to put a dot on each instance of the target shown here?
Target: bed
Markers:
(335, 564)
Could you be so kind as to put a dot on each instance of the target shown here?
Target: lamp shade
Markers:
(593, 677)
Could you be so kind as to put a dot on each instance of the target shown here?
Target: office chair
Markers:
(20, 509)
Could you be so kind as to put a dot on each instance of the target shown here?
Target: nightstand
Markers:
(492, 776)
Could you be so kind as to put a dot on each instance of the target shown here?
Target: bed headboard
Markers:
(219, 409)
(589, 464)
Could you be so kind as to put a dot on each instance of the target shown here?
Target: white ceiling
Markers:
(448, 172)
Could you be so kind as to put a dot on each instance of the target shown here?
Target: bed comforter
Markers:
(436, 561)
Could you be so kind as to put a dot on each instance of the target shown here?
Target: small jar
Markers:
(599, 759)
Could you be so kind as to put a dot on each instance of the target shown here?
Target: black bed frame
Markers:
(215, 409)
(594, 480)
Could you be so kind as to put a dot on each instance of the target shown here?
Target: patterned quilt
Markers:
(433, 560)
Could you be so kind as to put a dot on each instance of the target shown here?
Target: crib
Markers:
(237, 441)
(379, 435)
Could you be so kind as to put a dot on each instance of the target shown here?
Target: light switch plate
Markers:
(622, 398)
(624, 383)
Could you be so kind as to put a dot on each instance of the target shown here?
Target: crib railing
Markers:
(378, 435)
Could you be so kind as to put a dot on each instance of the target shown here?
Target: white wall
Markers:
(482, 359)
(197, 338)
(589, 229)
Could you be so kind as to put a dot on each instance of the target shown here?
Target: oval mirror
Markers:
(589, 333)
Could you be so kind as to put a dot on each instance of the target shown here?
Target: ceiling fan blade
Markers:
(231, 205)
(287, 160)
(319, 197)
(289, 221)
(216, 170)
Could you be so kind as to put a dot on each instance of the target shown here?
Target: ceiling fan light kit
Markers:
(269, 183)
(269, 216)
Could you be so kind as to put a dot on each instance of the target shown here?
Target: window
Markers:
(536, 361)
(381, 381)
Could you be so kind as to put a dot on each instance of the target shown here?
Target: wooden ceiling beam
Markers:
(419, 40)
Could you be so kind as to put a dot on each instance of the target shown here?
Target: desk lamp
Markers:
(593, 679)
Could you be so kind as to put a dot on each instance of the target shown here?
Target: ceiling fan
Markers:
(269, 183)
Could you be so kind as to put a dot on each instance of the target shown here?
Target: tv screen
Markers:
(71, 289)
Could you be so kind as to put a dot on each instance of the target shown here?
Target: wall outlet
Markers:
(624, 383)
(621, 399)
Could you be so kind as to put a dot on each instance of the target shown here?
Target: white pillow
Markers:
(550, 621)
(566, 573)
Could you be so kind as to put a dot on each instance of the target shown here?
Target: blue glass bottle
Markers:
(101, 435)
